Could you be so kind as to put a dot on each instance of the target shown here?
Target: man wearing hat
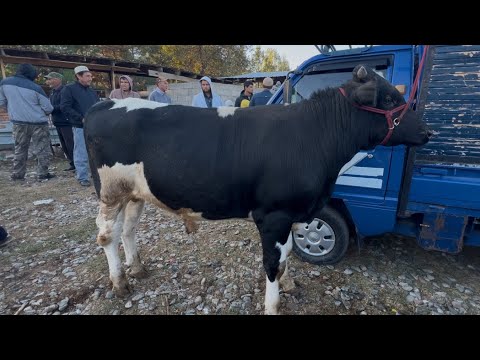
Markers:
(262, 97)
(63, 126)
(76, 99)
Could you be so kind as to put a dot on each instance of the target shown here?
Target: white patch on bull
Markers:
(285, 249)
(224, 111)
(297, 226)
(133, 175)
(272, 297)
(135, 104)
(286, 281)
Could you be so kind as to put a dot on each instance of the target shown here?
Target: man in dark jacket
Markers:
(244, 99)
(262, 97)
(64, 129)
(76, 99)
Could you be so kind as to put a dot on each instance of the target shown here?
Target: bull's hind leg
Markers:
(110, 223)
(274, 228)
(286, 281)
(133, 211)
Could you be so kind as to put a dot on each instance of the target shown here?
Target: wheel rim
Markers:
(316, 238)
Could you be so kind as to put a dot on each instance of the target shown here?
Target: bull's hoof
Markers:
(271, 311)
(138, 272)
(122, 288)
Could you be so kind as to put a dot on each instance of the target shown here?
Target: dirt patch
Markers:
(52, 265)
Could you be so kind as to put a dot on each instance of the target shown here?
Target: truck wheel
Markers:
(324, 240)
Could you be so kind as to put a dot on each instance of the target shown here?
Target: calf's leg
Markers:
(133, 211)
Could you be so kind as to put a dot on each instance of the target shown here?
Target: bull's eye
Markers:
(388, 101)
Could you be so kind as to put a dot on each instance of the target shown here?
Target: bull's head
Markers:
(367, 90)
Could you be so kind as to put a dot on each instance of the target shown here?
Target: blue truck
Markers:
(432, 192)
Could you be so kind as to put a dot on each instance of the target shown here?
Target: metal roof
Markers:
(101, 64)
(255, 75)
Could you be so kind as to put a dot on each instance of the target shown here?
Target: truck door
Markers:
(366, 176)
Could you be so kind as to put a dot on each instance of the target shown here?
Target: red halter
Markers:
(392, 124)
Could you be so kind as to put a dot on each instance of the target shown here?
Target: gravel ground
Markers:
(52, 264)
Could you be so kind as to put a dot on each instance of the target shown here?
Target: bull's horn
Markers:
(361, 72)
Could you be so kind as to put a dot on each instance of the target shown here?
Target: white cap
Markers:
(80, 69)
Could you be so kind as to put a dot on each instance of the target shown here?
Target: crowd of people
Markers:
(29, 109)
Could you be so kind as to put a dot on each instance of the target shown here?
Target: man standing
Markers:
(262, 97)
(28, 108)
(246, 95)
(126, 89)
(159, 94)
(76, 99)
(64, 129)
(206, 98)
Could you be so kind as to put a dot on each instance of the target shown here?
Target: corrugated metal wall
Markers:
(452, 105)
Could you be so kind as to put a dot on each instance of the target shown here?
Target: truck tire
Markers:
(324, 240)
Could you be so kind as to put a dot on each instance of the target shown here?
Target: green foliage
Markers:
(268, 60)
(213, 60)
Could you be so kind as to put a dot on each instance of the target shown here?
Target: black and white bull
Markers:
(276, 164)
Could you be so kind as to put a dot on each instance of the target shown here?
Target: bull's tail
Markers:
(91, 158)
(95, 176)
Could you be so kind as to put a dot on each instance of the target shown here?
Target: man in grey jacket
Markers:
(28, 108)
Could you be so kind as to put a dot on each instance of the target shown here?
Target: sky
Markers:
(296, 54)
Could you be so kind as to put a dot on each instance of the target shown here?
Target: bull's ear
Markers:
(366, 94)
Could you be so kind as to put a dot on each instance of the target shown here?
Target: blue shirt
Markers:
(159, 96)
(261, 98)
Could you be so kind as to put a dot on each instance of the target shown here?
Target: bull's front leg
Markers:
(274, 229)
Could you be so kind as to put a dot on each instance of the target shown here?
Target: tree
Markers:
(213, 60)
(268, 60)
(256, 59)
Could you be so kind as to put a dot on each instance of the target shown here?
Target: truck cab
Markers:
(387, 189)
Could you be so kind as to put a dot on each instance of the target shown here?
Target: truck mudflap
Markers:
(442, 232)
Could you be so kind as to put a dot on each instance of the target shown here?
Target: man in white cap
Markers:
(262, 97)
(77, 98)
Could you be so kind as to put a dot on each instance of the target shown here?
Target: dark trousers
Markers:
(65, 134)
